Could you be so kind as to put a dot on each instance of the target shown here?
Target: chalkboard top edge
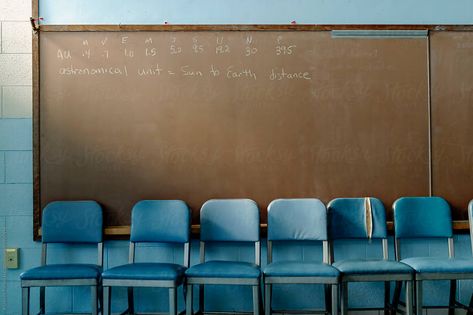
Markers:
(246, 27)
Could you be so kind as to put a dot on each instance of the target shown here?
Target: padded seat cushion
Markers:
(439, 265)
(371, 267)
(62, 271)
(224, 269)
(146, 271)
(300, 269)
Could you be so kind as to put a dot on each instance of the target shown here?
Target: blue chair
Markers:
(152, 221)
(429, 217)
(227, 220)
(365, 219)
(69, 222)
(298, 220)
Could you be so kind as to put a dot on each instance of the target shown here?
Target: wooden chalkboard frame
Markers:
(124, 231)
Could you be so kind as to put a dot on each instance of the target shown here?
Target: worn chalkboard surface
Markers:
(195, 115)
(452, 118)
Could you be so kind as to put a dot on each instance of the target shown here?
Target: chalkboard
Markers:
(195, 115)
(452, 118)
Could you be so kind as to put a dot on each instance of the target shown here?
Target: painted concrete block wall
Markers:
(257, 12)
(16, 141)
(15, 145)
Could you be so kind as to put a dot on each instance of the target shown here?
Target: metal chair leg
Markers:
(452, 298)
(396, 297)
(344, 298)
(328, 299)
(107, 297)
(267, 299)
(409, 295)
(334, 309)
(172, 301)
(470, 306)
(201, 299)
(419, 298)
(131, 301)
(256, 300)
(387, 297)
(25, 301)
(189, 297)
(94, 298)
(100, 293)
(42, 300)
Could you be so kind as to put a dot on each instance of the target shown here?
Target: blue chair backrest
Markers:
(347, 219)
(297, 220)
(229, 220)
(160, 221)
(72, 222)
(418, 217)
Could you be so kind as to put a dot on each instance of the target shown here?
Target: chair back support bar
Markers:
(72, 222)
(385, 249)
(470, 220)
(347, 219)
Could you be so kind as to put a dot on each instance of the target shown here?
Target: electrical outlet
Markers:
(11, 258)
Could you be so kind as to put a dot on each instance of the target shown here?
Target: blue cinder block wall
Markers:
(16, 142)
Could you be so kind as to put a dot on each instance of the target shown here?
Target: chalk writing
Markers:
(249, 51)
(186, 71)
(150, 71)
(97, 71)
(151, 52)
(196, 46)
(222, 47)
(64, 54)
(245, 73)
(284, 50)
(129, 53)
(214, 71)
(86, 53)
(174, 49)
(279, 75)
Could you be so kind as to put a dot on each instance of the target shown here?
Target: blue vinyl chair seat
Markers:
(300, 269)
(146, 271)
(371, 267)
(224, 269)
(439, 265)
(62, 271)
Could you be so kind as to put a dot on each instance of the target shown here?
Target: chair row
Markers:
(237, 220)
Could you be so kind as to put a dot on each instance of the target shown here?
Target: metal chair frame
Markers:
(453, 277)
(94, 284)
(191, 281)
(269, 281)
(172, 285)
(386, 278)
